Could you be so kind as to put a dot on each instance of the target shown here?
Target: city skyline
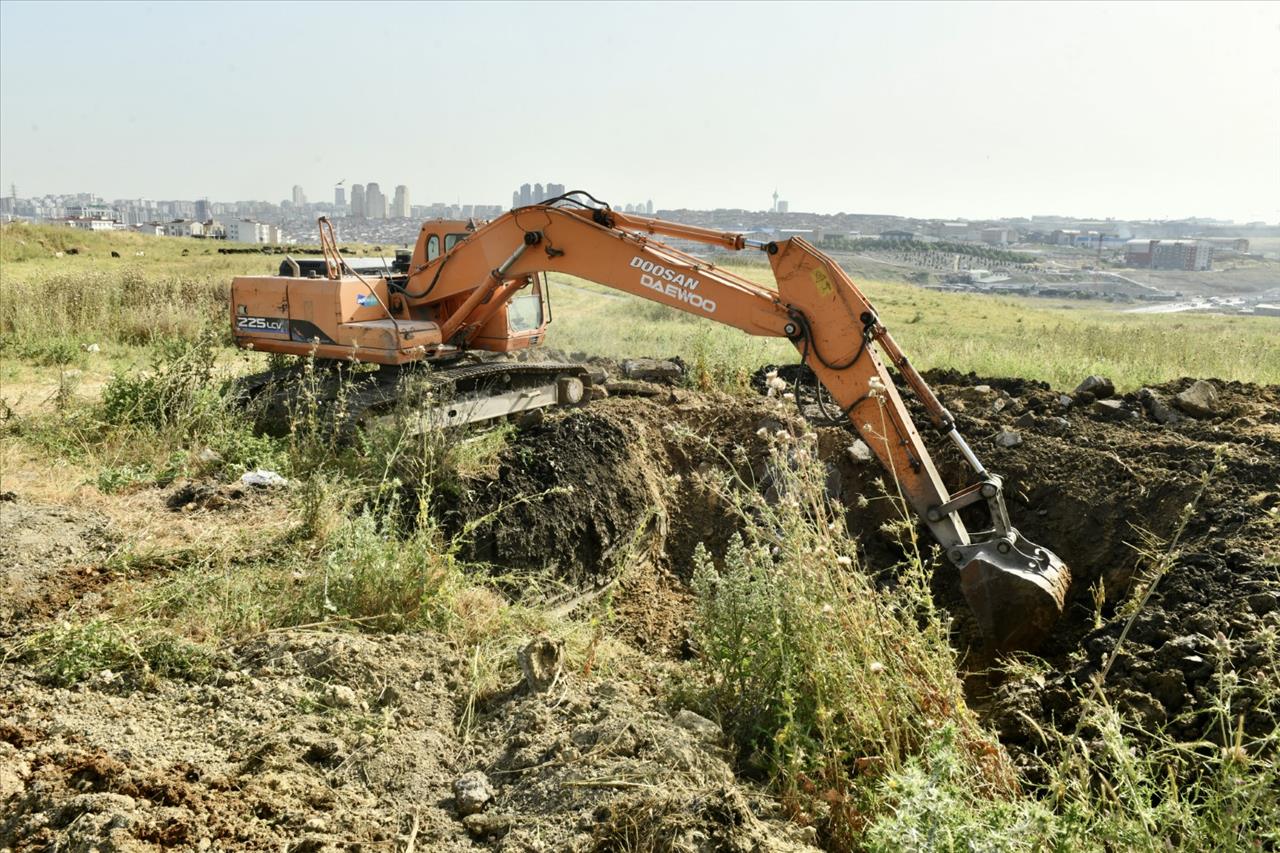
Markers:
(938, 110)
(776, 206)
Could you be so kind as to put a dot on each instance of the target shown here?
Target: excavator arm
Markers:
(1015, 588)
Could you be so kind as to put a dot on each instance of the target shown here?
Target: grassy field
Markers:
(991, 336)
(52, 307)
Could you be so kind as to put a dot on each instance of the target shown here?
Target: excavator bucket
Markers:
(1015, 589)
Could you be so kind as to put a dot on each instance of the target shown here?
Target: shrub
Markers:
(823, 681)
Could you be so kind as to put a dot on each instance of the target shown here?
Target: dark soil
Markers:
(1108, 495)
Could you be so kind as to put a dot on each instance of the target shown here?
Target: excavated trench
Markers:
(614, 485)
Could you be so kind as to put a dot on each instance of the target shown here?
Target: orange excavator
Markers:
(469, 288)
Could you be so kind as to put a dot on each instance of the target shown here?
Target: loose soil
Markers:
(50, 558)
(317, 741)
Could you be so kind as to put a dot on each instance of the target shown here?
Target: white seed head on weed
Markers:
(844, 560)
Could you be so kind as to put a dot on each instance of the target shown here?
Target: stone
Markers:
(652, 370)
(859, 451)
(1008, 438)
(1112, 410)
(471, 793)
(340, 696)
(1099, 386)
(1157, 408)
(541, 662)
(699, 726)
(1200, 400)
(1025, 421)
(487, 825)
(1057, 426)
(1263, 602)
(1064, 401)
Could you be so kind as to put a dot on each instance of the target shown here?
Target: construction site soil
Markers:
(308, 740)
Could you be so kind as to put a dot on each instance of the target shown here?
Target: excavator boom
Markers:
(456, 300)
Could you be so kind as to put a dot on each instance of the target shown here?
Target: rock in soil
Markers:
(1157, 407)
(1008, 438)
(541, 661)
(1112, 410)
(653, 370)
(1099, 387)
(471, 793)
(487, 825)
(1200, 400)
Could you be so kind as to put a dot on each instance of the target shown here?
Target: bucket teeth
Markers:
(1015, 589)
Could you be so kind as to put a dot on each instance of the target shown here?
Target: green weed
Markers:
(73, 651)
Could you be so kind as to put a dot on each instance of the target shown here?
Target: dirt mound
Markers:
(49, 557)
(610, 495)
(322, 742)
(1091, 479)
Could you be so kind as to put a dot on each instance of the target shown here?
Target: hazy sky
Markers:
(1145, 110)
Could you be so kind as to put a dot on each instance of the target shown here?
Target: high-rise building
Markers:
(515, 198)
(648, 207)
(375, 203)
(202, 210)
(783, 206)
(339, 196)
(299, 197)
(526, 195)
(554, 190)
(538, 194)
(400, 206)
(357, 201)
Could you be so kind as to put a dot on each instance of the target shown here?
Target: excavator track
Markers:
(334, 395)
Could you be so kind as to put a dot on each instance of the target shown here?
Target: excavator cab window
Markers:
(524, 312)
(451, 240)
(433, 247)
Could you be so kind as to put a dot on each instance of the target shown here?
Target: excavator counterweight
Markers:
(470, 288)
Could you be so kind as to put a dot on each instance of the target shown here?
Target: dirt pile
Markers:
(327, 742)
(586, 493)
(1088, 474)
(1096, 482)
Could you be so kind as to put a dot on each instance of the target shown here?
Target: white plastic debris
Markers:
(263, 477)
